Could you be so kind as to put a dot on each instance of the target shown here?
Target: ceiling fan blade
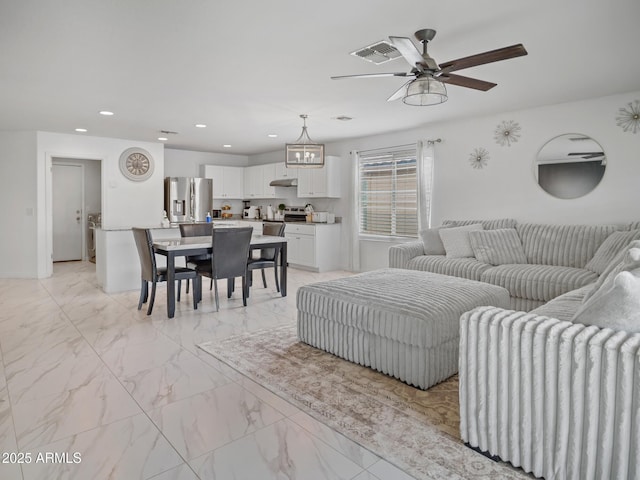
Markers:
(399, 93)
(374, 75)
(409, 51)
(468, 82)
(482, 58)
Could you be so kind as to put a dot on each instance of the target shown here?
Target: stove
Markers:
(295, 214)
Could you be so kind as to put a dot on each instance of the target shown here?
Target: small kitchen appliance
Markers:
(251, 212)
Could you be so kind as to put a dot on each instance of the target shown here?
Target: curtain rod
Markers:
(387, 148)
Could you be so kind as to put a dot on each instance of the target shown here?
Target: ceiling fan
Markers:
(426, 88)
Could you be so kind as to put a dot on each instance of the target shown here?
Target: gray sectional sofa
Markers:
(559, 259)
(551, 385)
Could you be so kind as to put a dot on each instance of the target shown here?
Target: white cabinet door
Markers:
(320, 182)
(227, 181)
(307, 250)
(253, 182)
(215, 173)
(283, 172)
(268, 174)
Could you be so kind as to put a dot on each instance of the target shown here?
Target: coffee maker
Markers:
(251, 212)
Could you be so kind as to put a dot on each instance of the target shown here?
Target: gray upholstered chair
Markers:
(230, 250)
(196, 230)
(150, 272)
(268, 256)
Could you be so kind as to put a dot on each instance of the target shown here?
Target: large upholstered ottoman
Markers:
(404, 323)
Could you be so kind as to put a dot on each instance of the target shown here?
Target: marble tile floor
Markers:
(91, 388)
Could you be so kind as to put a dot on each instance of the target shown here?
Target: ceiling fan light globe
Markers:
(425, 91)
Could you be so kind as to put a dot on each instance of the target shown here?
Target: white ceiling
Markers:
(249, 68)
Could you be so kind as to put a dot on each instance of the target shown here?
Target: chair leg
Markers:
(152, 299)
(245, 290)
(195, 294)
(264, 280)
(230, 286)
(144, 293)
(215, 287)
(275, 270)
(186, 289)
(180, 287)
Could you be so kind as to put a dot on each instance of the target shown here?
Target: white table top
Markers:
(184, 243)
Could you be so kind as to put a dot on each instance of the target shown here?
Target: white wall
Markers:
(125, 203)
(506, 186)
(18, 194)
(185, 163)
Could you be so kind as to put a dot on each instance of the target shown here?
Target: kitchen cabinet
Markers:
(313, 246)
(257, 179)
(320, 182)
(283, 172)
(228, 182)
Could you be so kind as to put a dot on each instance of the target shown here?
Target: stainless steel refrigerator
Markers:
(188, 199)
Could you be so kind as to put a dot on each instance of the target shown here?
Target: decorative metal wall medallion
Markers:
(136, 164)
(507, 133)
(479, 158)
(629, 118)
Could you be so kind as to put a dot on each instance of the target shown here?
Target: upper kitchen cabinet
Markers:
(257, 179)
(320, 182)
(228, 182)
(283, 172)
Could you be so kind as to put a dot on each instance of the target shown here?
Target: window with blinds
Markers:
(388, 193)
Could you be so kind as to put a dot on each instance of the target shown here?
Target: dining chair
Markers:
(196, 230)
(150, 272)
(229, 253)
(268, 256)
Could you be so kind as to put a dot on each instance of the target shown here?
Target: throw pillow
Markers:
(622, 261)
(456, 240)
(431, 241)
(497, 247)
(616, 304)
(609, 249)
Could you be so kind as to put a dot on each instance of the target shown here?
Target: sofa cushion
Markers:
(457, 267)
(565, 306)
(456, 240)
(619, 263)
(486, 224)
(432, 242)
(538, 282)
(497, 247)
(610, 248)
(562, 245)
(616, 303)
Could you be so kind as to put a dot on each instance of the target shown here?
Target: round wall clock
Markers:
(136, 164)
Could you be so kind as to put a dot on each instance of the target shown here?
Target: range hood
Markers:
(284, 182)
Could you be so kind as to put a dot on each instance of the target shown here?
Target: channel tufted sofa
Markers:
(558, 259)
(552, 385)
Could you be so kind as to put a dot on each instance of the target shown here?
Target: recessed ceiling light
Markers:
(106, 113)
(200, 125)
(343, 118)
(272, 135)
(227, 146)
(81, 130)
(163, 139)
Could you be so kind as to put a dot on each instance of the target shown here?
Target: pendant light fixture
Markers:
(304, 152)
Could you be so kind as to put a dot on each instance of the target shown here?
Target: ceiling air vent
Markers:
(379, 52)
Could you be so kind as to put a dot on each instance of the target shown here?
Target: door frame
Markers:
(83, 215)
(48, 214)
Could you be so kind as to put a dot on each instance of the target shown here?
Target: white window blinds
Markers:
(388, 197)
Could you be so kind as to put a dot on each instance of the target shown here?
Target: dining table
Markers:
(188, 246)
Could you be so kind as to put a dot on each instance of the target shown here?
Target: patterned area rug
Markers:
(415, 430)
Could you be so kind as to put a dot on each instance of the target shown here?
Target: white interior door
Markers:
(67, 212)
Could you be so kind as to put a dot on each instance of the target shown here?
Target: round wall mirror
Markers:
(570, 165)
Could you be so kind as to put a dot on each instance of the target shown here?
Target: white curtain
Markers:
(355, 202)
(425, 161)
